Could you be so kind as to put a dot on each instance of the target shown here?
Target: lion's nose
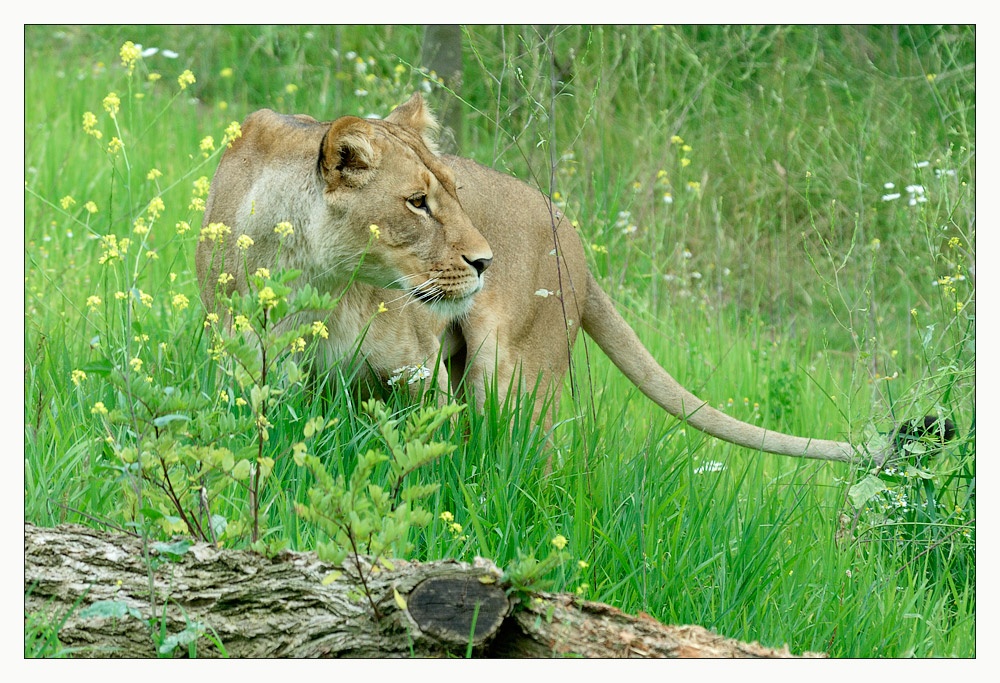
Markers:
(480, 264)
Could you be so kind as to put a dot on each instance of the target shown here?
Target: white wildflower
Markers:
(412, 373)
(890, 197)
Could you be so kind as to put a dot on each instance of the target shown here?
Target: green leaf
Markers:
(193, 632)
(865, 490)
(219, 524)
(164, 420)
(172, 550)
(99, 367)
(241, 470)
(109, 608)
(400, 600)
(912, 471)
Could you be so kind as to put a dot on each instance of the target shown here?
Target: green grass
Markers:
(781, 278)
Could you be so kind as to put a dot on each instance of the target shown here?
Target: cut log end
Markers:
(451, 608)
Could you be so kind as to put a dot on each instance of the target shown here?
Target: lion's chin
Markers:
(451, 308)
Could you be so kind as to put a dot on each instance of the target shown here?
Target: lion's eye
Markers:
(418, 202)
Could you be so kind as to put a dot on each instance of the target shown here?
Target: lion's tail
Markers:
(617, 339)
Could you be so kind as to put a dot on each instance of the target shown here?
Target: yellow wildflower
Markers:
(685, 162)
(120, 296)
(211, 319)
(582, 565)
(559, 542)
(232, 131)
(267, 297)
(227, 72)
(93, 302)
(244, 242)
(686, 148)
(263, 273)
(291, 88)
(155, 207)
(129, 54)
(99, 409)
(381, 307)
(90, 207)
(201, 187)
(319, 330)
(89, 123)
(299, 345)
(676, 139)
(114, 146)
(214, 232)
(185, 79)
(207, 145)
(182, 227)
(447, 517)
(78, 376)
(373, 229)
(180, 302)
(284, 228)
(241, 323)
(139, 227)
(67, 202)
(241, 401)
(154, 77)
(136, 364)
(153, 174)
(225, 278)
(152, 255)
(111, 103)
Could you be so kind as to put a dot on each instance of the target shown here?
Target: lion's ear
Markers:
(347, 155)
(414, 114)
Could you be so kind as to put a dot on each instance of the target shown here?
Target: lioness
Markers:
(469, 265)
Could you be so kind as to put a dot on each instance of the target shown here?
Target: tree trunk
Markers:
(441, 52)
(256, 606)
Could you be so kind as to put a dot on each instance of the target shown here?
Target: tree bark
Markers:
(279, 607)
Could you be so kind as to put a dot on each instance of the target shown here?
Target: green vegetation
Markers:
(732, 185)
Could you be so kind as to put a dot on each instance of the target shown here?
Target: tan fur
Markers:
(506, 336)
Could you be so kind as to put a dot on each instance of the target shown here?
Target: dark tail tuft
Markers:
(929, 429)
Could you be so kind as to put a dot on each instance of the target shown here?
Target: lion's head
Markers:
(355, 191)
(392, 195)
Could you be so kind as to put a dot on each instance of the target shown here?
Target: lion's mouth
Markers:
(446, 303)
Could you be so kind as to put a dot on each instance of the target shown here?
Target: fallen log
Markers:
(242, 604)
